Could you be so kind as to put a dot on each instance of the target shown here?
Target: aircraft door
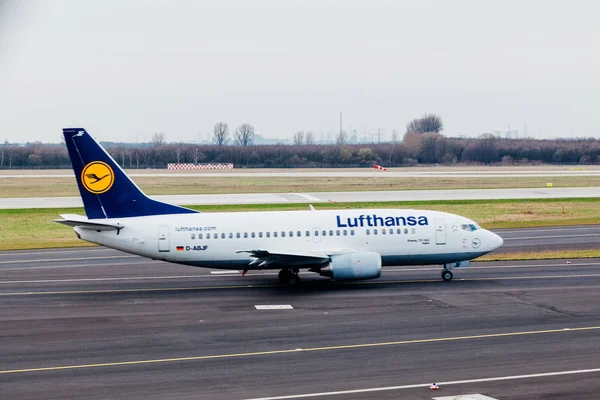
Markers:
(316, 235)
(164, 240)
(440, 231)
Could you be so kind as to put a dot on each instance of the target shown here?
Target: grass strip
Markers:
(165, 185)
(541, 255)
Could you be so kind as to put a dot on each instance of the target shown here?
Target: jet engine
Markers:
(353, 266)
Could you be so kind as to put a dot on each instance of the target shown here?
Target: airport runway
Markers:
(94, 323)
(550, 238)
(325, 197)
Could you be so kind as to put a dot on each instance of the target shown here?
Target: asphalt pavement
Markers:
(325, 197)
(95, 323)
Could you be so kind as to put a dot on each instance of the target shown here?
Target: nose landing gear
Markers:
(447, 275)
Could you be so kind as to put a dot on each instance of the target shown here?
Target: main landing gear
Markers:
(289, 277)
(447, 275)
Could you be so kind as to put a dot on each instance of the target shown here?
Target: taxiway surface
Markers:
(95, 323)
(325, 197)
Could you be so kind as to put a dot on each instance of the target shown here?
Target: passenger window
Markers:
(330, 233)
(253, 235)
(230, 235)
(374, 231)
(274, 234)
(316, 233)
(222, 235)
(337, 233)
(245, 235)
(193, 236)
(368, 231)
(283, 234)
(216, 236)
(413, 230)
(199, 236)
(208, 235)
(237, 235)
(307, 233)
(259, 234)
(268, 234)
(391, 232)
(399, 231)
(345, 232)
(352, 232)
(324, 233)
(298, 234)
(406, 231)
(291, 234)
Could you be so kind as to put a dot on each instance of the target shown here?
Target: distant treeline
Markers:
(426, 148)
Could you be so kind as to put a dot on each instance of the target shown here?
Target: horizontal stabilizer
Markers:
(82, 222)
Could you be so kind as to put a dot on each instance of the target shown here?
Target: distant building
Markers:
(507, 134)
(511, 133)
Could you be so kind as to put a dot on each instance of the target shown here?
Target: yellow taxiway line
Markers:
(288, 351)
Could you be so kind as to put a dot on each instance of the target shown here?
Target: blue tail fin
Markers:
(106, 190)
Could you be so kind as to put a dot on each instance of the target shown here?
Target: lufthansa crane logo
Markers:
(97, 177)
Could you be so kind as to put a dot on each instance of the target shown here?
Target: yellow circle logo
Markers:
(97, 177)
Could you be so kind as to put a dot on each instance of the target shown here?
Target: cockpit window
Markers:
(469, 227)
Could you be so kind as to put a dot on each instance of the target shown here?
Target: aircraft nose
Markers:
(496, 240)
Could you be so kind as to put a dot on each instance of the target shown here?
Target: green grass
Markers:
(34, 228)
(542, 255)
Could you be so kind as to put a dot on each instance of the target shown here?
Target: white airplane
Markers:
(340, 244)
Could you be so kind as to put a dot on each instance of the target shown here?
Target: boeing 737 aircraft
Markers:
(340, 244)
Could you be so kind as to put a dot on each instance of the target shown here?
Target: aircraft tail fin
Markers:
(106, 190)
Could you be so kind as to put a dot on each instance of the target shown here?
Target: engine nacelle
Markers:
(353, 266)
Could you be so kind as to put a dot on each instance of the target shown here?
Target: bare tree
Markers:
(2, 157)
(341, 138)
(244, 135)
(298, 138)
(220, 134)
(158, 139)
(178, 150)
(309, 138)
(395, 137)
(427, 123)
(197, 155)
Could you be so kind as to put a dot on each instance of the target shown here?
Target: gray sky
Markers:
(133, 67)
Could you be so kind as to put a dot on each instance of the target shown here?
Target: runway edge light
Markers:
(434, 387)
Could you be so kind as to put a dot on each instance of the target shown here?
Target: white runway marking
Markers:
(274, 307)
(475, 396)
(308, 197)
(129, 264)
(67, 251)
(426, 385)
(225, 272)
(582, 228)
(488, 267)
(553, 237)
(67, 259)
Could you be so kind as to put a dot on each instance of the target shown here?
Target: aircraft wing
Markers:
(81, 221)
(264, 257)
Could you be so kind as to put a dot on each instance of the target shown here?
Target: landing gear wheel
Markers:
(447, 275)
(289, 278)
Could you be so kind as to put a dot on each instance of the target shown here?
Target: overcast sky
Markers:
(134, 67)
